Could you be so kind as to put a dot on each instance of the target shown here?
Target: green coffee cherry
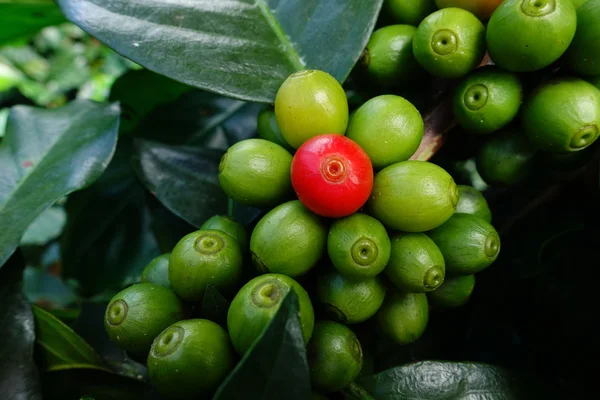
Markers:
(413, 196)
(563, 115)
(157, 271)
(487, 100)
(190, 358)
(468, 243)
(388, 128)
(256, 172)
(528, 35)
(453, 293)
(416, 264)
(136, 315)
(334, 357)
(403, 316)
(409, 12)
(288, 240)
(349, 301)
(505, 159)
(449, 43)
(583, 55)
(267, 128)
(388, 58)
(471, 201)
(578, 3)
(256, 304)
(358, 246)
(310, 103)
(205, 257)
(483, 9)
(230, 226)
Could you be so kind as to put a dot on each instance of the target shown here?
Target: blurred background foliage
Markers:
(48, 69)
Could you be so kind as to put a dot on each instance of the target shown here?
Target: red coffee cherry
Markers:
(332, 175)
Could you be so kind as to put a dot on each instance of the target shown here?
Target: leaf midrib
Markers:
(290, 51)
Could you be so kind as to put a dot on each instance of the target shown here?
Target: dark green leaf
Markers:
(241, 48)
(107, 241)
(19, 378)
(167, 227)
(183, 178)
(26, 17)
(139, 92)
(214, 306)
(74, 384)
(198, 118)
(47, 154)
(60, 347)
(275, 367)
(201, 118)
(46, 289)
(46, 227)
(90, 326)
(435, 380)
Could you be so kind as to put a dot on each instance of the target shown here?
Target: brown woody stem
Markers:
(438, 122)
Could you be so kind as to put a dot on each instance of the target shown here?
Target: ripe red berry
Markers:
(332, 175)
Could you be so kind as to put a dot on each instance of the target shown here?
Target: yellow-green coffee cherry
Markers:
(403, 317)
(267, 128)
(483, 9)
(468, 243)
(190, 359)
(413, 196)
(347, 300)
(288, 240)
(256, 172)
(334, 356)
(409, 12)
(563, 115)
(388, 59)
(136, 315)
(505, 158)
(487, 100)
(157, 271)
(205, 257)
(310, 103)
(358, 246)
(388, 128)
(453, 293)
(527, 35)
(230, 226)
(256, 304)
(583, 54)
(449, 43)
(416, 264)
